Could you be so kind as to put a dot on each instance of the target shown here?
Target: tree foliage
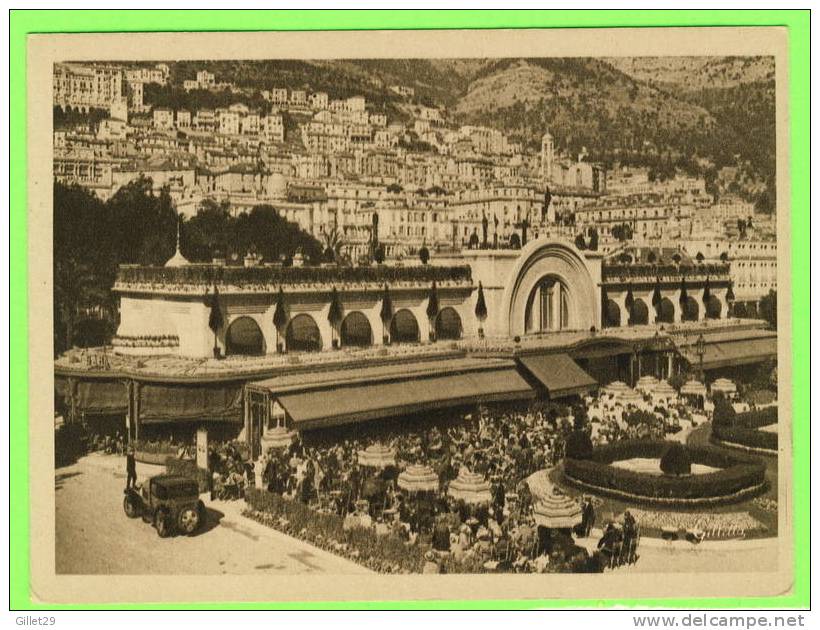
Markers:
(139, 226)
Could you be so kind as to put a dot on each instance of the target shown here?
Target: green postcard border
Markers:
(23, 22)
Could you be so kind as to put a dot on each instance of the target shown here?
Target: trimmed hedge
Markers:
(745, 429)
(739, 474)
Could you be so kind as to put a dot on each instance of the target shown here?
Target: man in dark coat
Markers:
(588, 517)
(130, 469)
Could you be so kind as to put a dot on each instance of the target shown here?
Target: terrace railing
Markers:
(208, 274)
(622, 272)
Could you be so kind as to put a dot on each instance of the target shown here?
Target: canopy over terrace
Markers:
(729, 348)
(559, 374)
(336, 397)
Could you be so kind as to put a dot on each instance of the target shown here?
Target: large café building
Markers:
(256, 349)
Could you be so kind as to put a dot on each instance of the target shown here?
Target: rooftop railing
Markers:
(645, 270)
(208, 274)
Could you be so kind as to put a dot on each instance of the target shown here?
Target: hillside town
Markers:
(330, 163)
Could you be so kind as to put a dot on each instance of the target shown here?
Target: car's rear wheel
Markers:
(131, 507)
(162, 524)
(188, 520)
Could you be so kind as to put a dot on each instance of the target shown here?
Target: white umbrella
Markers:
(616, 388)
(631, 397)
(418, 478)
(557, 511)
(278, 437)
(377, 456)
(664, 391)
(693, 388)
(646, 383)
(469, 487)
(725, 386)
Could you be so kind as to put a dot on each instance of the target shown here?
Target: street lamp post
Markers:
(700, 349)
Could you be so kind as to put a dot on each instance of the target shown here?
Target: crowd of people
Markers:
(503, 445)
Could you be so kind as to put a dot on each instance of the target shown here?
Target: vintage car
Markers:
(170, 502)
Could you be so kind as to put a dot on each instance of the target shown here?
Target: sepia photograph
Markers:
(494, 307)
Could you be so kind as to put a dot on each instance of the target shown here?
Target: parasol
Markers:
(418, 478)
(631, 397)
(693, 388)
(616, 388)
(664, 391)
(377, 456)
(469, 487)
(278, 437)
(557, 511)
(646, 383)
(724, 385)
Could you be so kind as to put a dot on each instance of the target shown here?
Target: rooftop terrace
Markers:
(196, 278)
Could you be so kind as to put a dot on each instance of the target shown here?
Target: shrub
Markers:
(579, 445)
(724, 413)
(738, 473)
(676, 460)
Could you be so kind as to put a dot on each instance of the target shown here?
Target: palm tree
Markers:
(334, 241)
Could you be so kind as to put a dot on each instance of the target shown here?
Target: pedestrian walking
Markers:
(130, 469)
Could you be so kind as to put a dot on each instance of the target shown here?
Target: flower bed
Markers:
(744, 430)
(714, 526)
(384, 554)
(739, 477)
(157, 453)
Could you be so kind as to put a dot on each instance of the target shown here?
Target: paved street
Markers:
(94, 536)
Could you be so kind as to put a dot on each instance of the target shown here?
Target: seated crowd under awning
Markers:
(344, 396)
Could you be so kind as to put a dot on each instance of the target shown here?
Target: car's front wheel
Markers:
(162, 524)
(188, 520)
(131, 507)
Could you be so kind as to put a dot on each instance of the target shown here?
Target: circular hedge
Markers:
(739, 477)
(743, 430)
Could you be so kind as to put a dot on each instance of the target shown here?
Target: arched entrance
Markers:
(612, 314)
(303, 335)
(665, 311)
(404, 328)
(244, 337)
(690, 309)
(547, 306)
(355, 330)
(448, 324)
(713, 307)
(550, 287)
(639, 313)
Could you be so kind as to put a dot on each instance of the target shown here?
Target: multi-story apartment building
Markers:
(753, 265)
(158, 74)
(86, 87)
(163, 118)
(273, 127)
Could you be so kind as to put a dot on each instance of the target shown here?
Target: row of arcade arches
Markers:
(664, 312)
(302, 334)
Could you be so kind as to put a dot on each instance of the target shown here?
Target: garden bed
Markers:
(739, 477)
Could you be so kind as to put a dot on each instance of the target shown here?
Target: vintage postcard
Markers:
(409, 315)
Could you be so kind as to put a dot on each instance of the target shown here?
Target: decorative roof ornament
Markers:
(177, 260)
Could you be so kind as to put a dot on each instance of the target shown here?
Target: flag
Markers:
(432, 302)
(215, 320)
(280, 316)
(387, 306)
(334, 315)
(481, 304)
